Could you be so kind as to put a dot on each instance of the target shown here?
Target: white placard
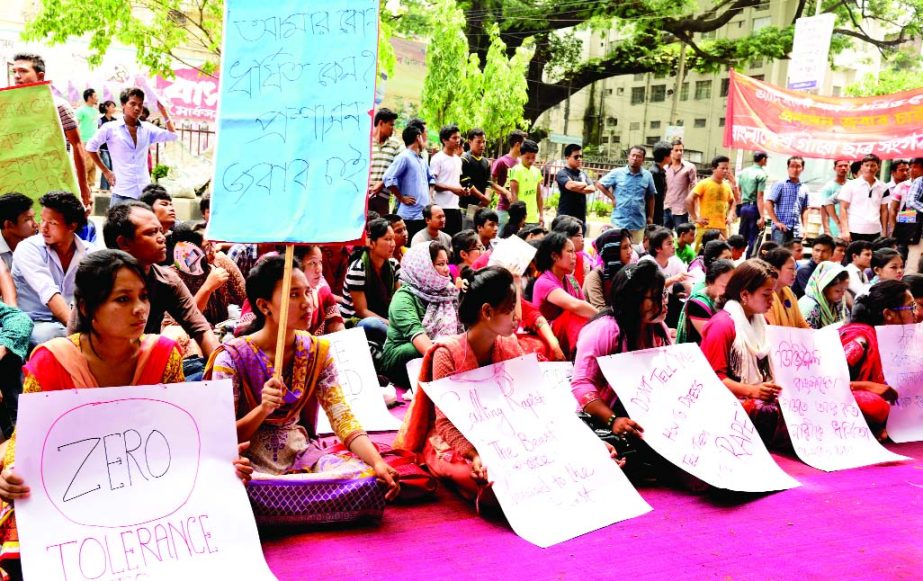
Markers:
(134, 482)
(359, 382)
(692, 419)
(827, 429)
(413, 371)
(513, 254)
(557, 377)
(552, 475)
(901, 349)
(810, 48)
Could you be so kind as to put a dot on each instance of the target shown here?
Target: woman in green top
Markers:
(824, 301)
(701, 304)
(423, 309)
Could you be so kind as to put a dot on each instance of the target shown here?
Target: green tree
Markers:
(447, 88)
(901, 73)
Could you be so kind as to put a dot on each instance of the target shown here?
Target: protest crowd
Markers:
(712, 260)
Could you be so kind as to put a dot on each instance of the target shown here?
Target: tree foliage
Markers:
(901, 73)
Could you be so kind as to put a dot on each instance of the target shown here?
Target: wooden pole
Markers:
(283, 310)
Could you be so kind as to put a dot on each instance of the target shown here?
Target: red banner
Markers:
(764, 117)
(191, 94)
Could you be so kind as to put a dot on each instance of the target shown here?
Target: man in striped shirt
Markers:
(384, 148)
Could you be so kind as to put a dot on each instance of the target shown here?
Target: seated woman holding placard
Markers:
(423, 309)
(824, 300)
(887, 303)
(784, 311)
(734, 342)
(109, 349)
(278, 414)
(556, 292)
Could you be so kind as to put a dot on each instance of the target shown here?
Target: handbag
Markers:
(296, 501)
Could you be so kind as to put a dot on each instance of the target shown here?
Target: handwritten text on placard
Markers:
(825, 425)
(901, 349)
(546, 465)
(691, 419)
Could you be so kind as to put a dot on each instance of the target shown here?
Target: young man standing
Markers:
(435, 224)
(45, 266)
(87, 122)
(681, 177)
(129, 140)
(661, 155)
(828, 196)
(475, 176)
(631, 190)
(446, 167)
(574, 184)
(30, 68)
(821, 251)
(787, 203)
(752, 182)
(410, 180)
(864, 203)
(711, 202)
(524, 181)
(902, 224)
(17, 222)
(385, 148)
(500, 171)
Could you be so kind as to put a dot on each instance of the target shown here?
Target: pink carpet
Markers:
(863, 523)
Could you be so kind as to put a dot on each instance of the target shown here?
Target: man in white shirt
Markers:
(17, 222)
(128, 141)
(446, 167)
(864, 203)
(663, 253)
(859, 258)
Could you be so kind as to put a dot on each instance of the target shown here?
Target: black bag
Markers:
(623, 446)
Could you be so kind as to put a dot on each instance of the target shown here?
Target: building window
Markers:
(759, 77)
(699, 123)
(658, 93)
(615, 138)
(637, 95)
(608, 91)
(725, 87)
(762, 22)
(702, 90)
(651, 139)
(634, 126)
(721, 122)
(756, 64)
(684, 92)
(708, 35)
(612, 121)
(764, 5)
(655, 124)
(620, 91)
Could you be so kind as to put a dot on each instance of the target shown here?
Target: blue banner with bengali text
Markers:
(294, 121)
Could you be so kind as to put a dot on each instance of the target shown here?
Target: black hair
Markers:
(788, 162)
(571, 148)
(631, 285)
(261, 284)
(532, 230)
(205, 204)
(871, 157)
(881, 258)
(186, 232)
(640, 148)
(94, 281)
(153, 192)
(87, 93)
(377, 228)
(393, 218)
(767, 247)
(887, 294)
(464, 241)
(712, 250)
(428, 211)
(857, 247)
(759, 156)
(67, 204)
(418, 123)
(778, 257)
(685, 228)
(839, 243)
(492, 285)
(736, 241)
(105, 105)
(791, 243)
(483, 216)
(517, 216)
(567, 225)
(516, 137)
(12, 205)
(552, 244)
(130, 92)
(476, 132)
(749, 276)
(662, 150)
(718, 160)
(707, 237)
(384, 115)
(657, 239)
(528, 146)
(716, 269)
(435, 247)
(410, 134)
(883, 242)
(38, 63)
(917, 161)
(915, 283)
(447, 132)
(824, 240)
(372, 215)
(119, 223)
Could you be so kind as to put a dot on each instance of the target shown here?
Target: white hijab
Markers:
(750, 344)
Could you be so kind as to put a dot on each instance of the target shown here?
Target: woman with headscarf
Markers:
(824, 300)
(423, 309)
(615, 252)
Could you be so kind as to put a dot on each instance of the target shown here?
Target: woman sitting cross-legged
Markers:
(422, 310)
(887, 303)
(109, 349)
(277, 414)
(734, 342)
(701, 304)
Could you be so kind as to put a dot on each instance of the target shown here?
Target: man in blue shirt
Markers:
(410, 180)
(787, 203)
(631, 189)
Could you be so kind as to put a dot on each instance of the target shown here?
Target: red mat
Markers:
(862, 523)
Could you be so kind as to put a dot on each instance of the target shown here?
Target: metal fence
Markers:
(196, 138)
